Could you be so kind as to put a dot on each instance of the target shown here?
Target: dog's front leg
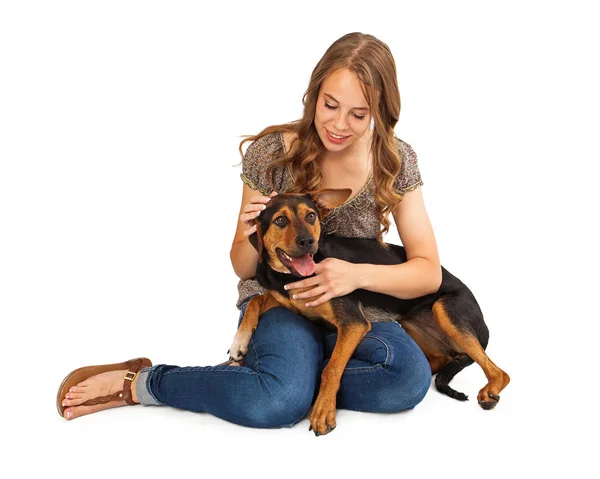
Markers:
(255, 307)
(350, 334)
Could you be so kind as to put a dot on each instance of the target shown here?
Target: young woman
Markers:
(345, 139)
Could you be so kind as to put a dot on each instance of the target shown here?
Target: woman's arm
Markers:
(422, 273)
(244, 257)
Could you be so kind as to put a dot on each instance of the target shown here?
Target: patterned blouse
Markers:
(356, 218)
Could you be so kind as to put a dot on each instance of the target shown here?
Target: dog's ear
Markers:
(328, 199)
(256, 240)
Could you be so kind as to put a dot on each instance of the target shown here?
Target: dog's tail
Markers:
(445, 375)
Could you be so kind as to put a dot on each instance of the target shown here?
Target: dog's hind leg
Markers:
(467, 342)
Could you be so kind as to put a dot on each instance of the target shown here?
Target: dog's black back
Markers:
(359, 250)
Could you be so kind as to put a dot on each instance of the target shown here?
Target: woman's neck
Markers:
(355, 160)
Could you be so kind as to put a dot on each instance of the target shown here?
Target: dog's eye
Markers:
(281, 221)
(311, 217)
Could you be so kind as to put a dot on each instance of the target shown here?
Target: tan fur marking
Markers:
(437, 359)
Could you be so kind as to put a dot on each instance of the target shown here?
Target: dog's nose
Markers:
(305, 241)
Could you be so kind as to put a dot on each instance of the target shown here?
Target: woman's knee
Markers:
(411, 378)
(285, 344)
(397, 389)
(287, 353)
(406, 374)
(418, 380)
(289, 337)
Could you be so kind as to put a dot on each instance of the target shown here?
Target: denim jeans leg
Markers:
(274, 387)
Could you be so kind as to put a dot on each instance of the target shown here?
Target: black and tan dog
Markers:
(447, 325)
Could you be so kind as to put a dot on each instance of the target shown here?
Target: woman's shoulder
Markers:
(404, 149)
(264, 147)
(409, 176)
(258, 156)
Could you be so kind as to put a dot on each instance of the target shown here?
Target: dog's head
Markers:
(288, 229)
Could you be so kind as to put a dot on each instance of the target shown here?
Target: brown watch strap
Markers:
(125, 394)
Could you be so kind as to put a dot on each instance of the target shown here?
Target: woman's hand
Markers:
(333, 277)
(252, 210)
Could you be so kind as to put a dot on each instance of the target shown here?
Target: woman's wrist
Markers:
(362, 272)
(408, 280)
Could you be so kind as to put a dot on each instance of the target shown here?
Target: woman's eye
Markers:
(331, 107)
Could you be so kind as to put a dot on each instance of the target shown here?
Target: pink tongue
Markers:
(304, 265)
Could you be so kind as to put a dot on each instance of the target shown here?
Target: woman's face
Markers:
(342, 110)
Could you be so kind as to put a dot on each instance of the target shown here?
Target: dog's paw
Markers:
(239, 347)
(322, 417)
(487, 400)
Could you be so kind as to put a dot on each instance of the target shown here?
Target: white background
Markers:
(119, 128)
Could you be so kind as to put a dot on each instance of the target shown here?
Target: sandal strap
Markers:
(134, 366)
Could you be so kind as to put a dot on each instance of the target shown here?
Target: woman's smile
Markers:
(338, 140)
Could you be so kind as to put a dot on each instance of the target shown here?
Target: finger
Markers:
(311, 293)
(317, 302)
(250, 231)
(302, 284)
(249, 216)
(254, 207)
(273, 193)
(260, 199)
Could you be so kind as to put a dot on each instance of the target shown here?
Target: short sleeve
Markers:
(409, 177)
(258, 157)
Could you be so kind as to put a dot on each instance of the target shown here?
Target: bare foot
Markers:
(103, 384)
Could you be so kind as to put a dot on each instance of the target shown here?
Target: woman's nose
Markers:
(340, 121)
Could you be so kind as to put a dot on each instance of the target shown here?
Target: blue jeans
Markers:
(280, 378)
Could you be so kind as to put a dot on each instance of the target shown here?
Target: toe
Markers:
(72, 401)
(74, 412)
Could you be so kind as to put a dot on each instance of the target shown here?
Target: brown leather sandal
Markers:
(75, 377)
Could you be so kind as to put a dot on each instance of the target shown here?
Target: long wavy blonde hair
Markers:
(373, 64)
